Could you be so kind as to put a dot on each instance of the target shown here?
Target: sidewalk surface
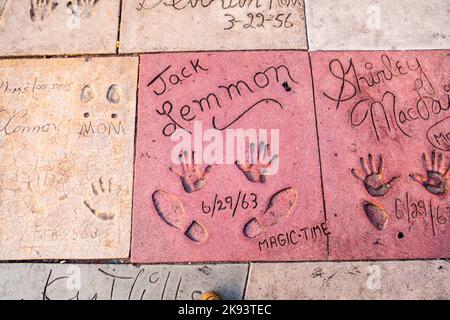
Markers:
(259, 149)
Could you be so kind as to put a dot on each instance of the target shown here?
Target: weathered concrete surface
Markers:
(383, 131)
(120, 282)
(271, 210)
(35, 27)
(378, 25)
(350, 280)
(66, 140)
(149, 25)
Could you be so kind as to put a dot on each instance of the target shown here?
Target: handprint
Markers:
(377, 215)
(82, 8)
(100, 204)
(41, 9)
(191, 177)
(437, 174)
(3, 8)
(373, 177)
(280, 205)
(257, 170)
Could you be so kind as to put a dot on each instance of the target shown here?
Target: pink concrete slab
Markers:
(395, 105)
(227, 212)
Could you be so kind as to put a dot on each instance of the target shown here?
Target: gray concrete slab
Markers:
(350, 280)
(378, 24)
(120, 282)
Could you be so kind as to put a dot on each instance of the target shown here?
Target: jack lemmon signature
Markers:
(214, 100)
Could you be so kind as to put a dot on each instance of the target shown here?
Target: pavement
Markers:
(262, 150)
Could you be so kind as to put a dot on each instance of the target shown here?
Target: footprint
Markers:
(171, 211)
(279, 206)
(113, 95)
(42, 9)
(87, 94)
(377, 215)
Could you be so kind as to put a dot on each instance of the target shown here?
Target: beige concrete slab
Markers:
(44, 27)
(191, 25)
(350, 280)
(378, 24)
(120, 282)
(66, 145)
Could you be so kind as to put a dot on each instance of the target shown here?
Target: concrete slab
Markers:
(350, 280)
(383, 131)
(66, 139)
(120, 282)
(239, 200)
(155, 26)
(378, 24)
(35, 27)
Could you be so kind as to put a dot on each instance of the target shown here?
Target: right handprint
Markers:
(260, 161)
(437, 174)
(373, 177)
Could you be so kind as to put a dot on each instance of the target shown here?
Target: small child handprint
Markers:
(191, 177)
(103, 194)
(373, 177)
(260, 163)
(41, 9)
(438, 172)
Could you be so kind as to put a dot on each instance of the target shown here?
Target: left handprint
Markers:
(103, 194)
(373, 177)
